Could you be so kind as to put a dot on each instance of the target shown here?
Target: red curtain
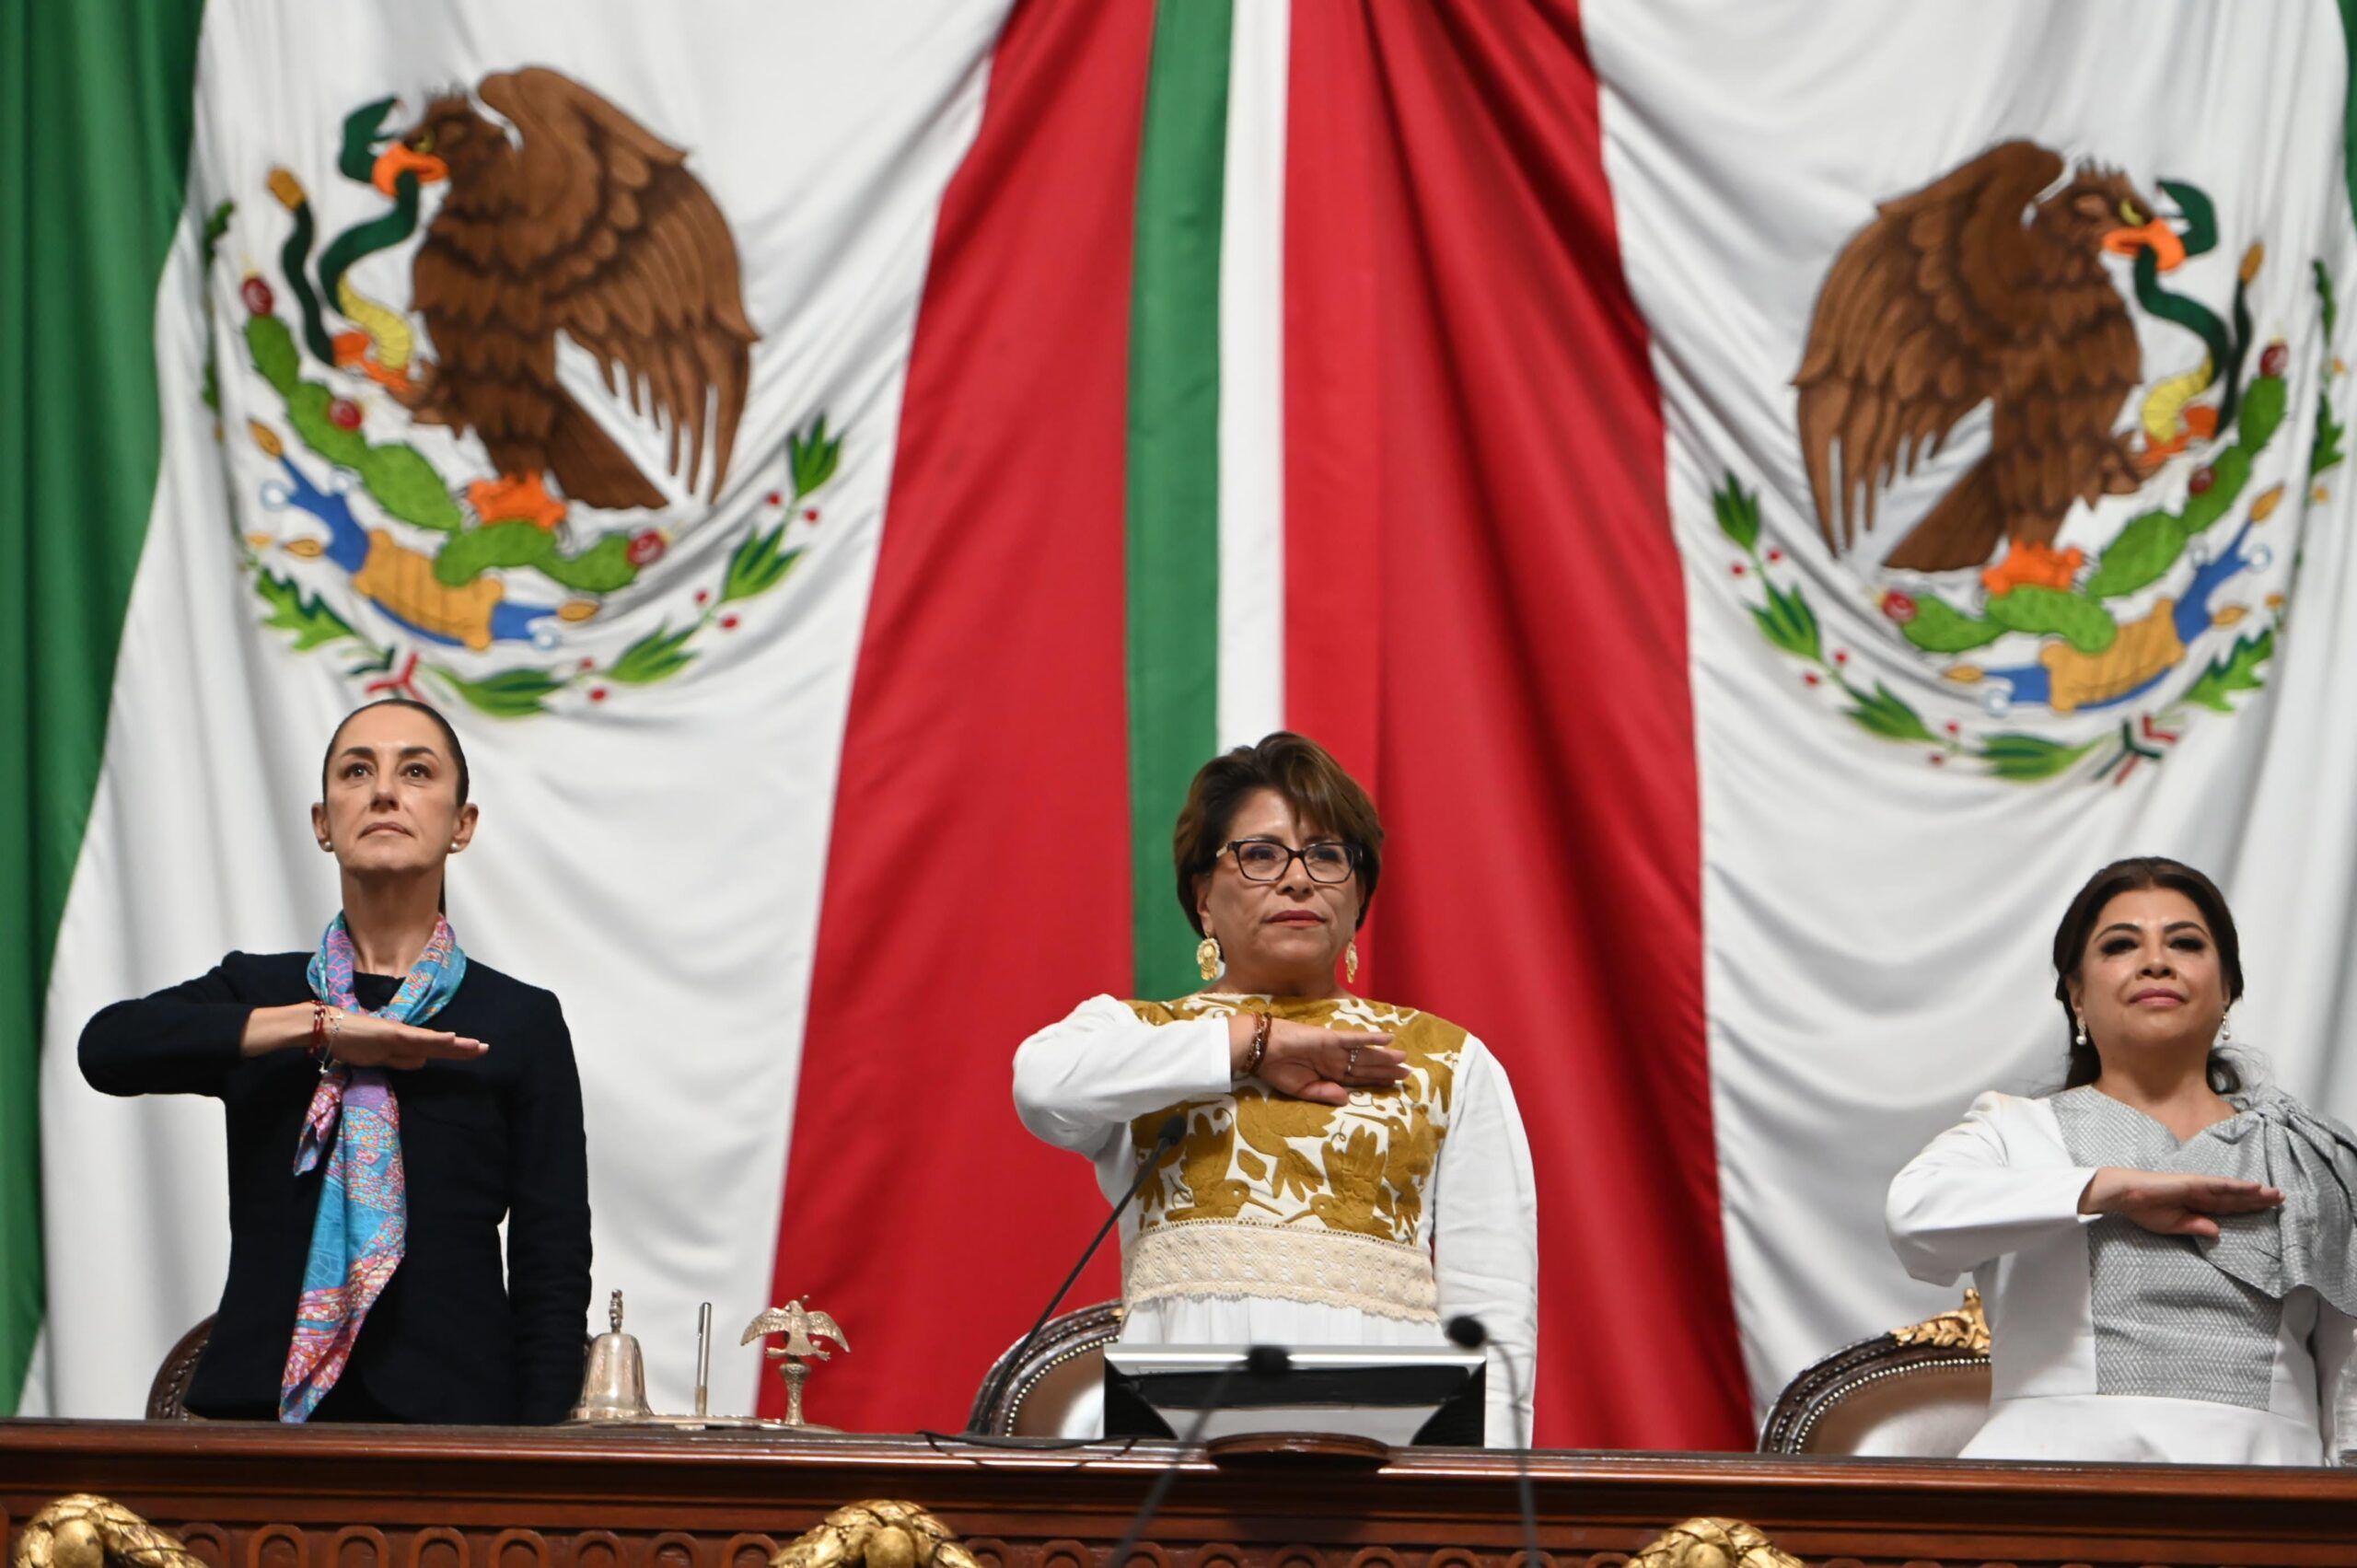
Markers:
(1486, 621)
(985, 758)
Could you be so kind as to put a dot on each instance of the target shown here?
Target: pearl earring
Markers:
(2083, 1027)
(2227, 1028)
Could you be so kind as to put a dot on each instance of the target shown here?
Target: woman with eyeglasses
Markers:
(2167, 1248)
(1352, 1172)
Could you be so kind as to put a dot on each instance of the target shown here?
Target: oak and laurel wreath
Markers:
(758, 564)
(404, 483)
(2139, 555)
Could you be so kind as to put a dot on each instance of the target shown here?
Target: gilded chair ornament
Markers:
(876, 1534)
(1713, 1543)
(86, 1531)
(1963, 1326)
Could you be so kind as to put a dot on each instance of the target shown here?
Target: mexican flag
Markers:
(1766, 498)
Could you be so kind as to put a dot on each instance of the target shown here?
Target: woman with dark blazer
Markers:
(389, 1101)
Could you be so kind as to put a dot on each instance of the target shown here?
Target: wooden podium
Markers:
(387, 1497)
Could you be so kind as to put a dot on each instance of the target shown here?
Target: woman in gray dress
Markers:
(2166, 1247)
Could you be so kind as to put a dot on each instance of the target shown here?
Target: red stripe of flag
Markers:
(976, 877)
(1486, 617)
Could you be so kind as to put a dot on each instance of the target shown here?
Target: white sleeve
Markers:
(1485, 1236)
(1079, 1083)
(1960, 1204)
(2334, 1337)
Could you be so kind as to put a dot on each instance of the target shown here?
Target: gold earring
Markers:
(1208, 957)
(1351, 963)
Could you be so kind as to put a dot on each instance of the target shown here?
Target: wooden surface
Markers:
(386, 1497)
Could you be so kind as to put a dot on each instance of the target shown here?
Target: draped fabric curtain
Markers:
(95, 119)
(1127, 380)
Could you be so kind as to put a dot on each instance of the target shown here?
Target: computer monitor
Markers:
(1395, 1394)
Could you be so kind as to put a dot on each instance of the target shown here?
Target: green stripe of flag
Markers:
(96, 112)
(1173, 477)
(2349, 101)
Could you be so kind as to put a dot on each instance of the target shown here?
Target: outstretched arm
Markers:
(183, 1040)
(1960, 1203)
(1081, 1081)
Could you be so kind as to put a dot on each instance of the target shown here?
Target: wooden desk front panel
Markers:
(264, 1497)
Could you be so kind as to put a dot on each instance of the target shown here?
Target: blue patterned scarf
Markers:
(363, 1223)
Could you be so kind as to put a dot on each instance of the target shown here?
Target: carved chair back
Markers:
(1057, 1386)
(166, 1394)
(1921, 1391)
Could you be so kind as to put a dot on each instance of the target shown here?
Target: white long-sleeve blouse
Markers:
(2110, 1342)
(1280, 1221)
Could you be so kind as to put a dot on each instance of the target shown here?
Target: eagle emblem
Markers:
(803, 1331)
(2095, 551)
(492, 462)
(1953, 299)
(587, 226)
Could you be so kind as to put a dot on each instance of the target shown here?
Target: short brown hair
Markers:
(2136, 875)
(1310, 780)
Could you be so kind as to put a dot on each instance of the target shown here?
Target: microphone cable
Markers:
(1468, 1332)
(1259, 1361)
(1165, 1138)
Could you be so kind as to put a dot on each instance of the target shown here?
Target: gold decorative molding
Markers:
(1963, 1326)
(86, 1531)
(1713, 1543)
(876, 1534)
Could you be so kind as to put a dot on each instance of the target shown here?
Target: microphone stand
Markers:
(1470, 1332)
(1165, 1138)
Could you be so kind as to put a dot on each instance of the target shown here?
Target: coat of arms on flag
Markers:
(2097, 548)
(467, 484)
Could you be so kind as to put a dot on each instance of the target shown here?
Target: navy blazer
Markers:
(498, 1137)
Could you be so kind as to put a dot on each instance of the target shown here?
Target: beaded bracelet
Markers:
(327, 1023)
(1259, 1045)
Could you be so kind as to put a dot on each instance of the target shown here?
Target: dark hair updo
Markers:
(1306, 774)
(2137, 875)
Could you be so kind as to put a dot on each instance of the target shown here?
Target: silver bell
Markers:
(613, 1384)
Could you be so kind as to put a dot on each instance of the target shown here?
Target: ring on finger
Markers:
(1351, 1064)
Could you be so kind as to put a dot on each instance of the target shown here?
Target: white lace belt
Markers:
(1236, 1258)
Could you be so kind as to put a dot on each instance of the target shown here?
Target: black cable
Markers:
(1165, 1139)
(1472, 1334)
(1259, 1361)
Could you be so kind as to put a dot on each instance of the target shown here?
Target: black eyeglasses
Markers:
(1266, 860)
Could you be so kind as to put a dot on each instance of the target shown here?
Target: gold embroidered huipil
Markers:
(1274, 1197)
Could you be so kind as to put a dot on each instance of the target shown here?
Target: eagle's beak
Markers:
(2169, 251)
(400, 159)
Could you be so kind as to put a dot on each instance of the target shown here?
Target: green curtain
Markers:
(96, 115)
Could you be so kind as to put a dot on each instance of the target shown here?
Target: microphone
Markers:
(1165, 1137)
(1468, 1332)
(1259, 1361)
